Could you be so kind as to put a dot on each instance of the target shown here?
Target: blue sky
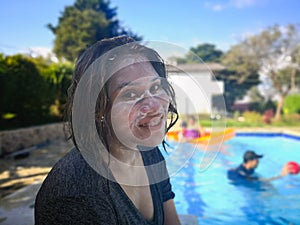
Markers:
(185, 23)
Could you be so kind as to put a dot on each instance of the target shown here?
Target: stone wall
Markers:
(14, 140)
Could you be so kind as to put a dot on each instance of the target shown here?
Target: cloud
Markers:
(242, 3)
(42, 51)
(217, 7)
(33, 51)
(214, 6)
(237, 4)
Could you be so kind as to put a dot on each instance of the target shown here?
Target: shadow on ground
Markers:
(19, 172)
(20, 179)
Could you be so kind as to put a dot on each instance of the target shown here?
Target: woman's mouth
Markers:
(151, 122)
(150, 128)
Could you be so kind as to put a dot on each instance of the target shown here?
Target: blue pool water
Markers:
(210, 196)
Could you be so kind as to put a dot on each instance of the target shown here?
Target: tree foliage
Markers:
(33, 90)
(25, 92)
(2, 72)
(277, 53)
(84, 23)
(207, 52)
(255, 95)
(292, 104)
(239, 75)
(59, 77)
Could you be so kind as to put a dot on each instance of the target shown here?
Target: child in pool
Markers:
(191, 129)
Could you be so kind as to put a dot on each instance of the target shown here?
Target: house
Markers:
(240, 106)
(195, 88)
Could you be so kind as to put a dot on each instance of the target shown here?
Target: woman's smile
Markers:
(152, 122)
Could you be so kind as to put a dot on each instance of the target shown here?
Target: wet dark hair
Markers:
(105, 50)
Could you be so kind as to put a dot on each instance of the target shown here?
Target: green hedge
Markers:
(30, 88)
(292, 104)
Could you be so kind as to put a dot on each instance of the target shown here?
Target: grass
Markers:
(252, 121)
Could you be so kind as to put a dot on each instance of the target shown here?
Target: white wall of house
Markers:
(194, 91)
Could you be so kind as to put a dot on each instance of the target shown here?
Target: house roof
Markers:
(194, 67)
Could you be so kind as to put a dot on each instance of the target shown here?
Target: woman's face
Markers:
(139, 105)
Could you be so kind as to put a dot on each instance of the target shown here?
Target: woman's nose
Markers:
(149, 105)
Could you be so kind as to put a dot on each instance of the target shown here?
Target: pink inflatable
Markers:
(190, 133)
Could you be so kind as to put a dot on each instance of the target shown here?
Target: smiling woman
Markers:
(119, 102)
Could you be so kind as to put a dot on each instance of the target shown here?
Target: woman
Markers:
(120, 96)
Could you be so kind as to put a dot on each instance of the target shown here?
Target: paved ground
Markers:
(22, 171)
(18, 208)
(20, 180)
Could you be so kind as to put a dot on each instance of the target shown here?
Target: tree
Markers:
(277, 53)
(24, 91)
(2, 72)
(59, 76)
(292, 104)
(255, 95)
(84, 23)
(260, 103)
(207, 52)
(240, 75)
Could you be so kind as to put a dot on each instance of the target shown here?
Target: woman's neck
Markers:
(126, 155)
(127, 166)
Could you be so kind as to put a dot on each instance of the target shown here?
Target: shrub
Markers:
(252, 117)
(291, 104)
(261, 107)
(24, 92)
(269, 105)
(289, 120)
(256, 106)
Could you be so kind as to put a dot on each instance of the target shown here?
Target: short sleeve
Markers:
(155, 157)
(165, 185)
(166, 188)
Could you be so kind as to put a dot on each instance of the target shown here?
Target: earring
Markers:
(102, 119)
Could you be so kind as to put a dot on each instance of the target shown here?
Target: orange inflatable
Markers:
(210, 138)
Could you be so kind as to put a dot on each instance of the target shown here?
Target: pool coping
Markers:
(268, 133)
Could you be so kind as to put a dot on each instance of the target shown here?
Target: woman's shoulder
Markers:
(71, 176)
(70, 165)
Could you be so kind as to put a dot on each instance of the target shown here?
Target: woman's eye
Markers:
(154, 88)
(130, 95)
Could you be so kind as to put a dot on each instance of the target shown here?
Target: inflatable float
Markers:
(209, 138)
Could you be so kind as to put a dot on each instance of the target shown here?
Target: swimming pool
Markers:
(211, 197)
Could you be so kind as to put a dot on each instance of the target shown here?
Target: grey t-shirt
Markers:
(73, 193)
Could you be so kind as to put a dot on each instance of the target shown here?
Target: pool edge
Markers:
(266, 133)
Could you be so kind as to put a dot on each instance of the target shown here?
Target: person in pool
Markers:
(190, 129)
(245, 171)
(117, 111)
